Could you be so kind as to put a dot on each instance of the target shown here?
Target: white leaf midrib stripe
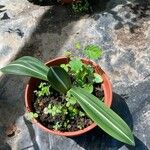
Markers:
(27, 68)
(105, 118)
(34, 62)
(59, 78)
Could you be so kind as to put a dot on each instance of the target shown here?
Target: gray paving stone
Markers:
(46, 32)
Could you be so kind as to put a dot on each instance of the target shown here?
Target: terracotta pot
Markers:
(33, 83)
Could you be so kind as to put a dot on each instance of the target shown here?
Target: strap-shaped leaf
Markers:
(32, 67)
(28, 66)
(59, 79)
(103, 116)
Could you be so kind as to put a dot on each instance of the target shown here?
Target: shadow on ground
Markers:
(32, 135)
(44, 43)
(49, 36)
(136, 13)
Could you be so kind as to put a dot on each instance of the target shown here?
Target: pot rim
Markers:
(107, 100)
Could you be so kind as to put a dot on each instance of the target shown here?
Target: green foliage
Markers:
(31, 115)
(76, 65)
(81, 114)
(59, 79)
(93, 51)
(81, 6)
(89, 74)
(67, 54)
(57, 126)
(43, 90)
(28, 66)
(53, 110)
(88, 88)
(84, 78)
(73, 112)
(65, 67)
(70, 101)
(78, 45)
(68, 126)
(97, 78)
(81, 75)
(103, 116)
(80, 126)
(68, 111)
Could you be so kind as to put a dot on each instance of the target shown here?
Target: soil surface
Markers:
(49, 121)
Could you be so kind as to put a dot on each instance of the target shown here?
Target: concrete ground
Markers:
(121, 29)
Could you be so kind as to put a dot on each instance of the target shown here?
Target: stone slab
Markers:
(46, 32)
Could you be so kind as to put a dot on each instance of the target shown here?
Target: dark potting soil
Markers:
(56, 98)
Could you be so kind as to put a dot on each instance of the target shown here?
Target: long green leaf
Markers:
(59, 79)
(28, 66)
(32, 67)
(103, 116)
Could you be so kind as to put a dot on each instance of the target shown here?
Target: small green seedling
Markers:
(31, 115)
(78, 81)
(88, 87)
(80, 126)
(70, 101)
(67, 54)
(81, 114)
(57, 126)
(93, 51)
(78, 45)
(65, 67)
(53, 110)
(97, 78)
(81, 6)
(76, 65)
(43, 90)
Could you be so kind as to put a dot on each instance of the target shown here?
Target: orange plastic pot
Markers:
(33, 83)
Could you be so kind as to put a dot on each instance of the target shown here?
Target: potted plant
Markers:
(69, 96)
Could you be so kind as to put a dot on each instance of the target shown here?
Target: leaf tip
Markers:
(132, 140)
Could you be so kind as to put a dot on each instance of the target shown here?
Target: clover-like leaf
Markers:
(76, 64)
(98, 78)
(88, 88)
(72, 100)
(78, 45)
(81, 114)
(65, 67)
(31, 115)
(93, 51)
(35, 115)
(67, 54)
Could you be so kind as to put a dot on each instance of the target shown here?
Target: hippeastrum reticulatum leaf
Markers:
(28, 66)
(103, 116)
(59, 79)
